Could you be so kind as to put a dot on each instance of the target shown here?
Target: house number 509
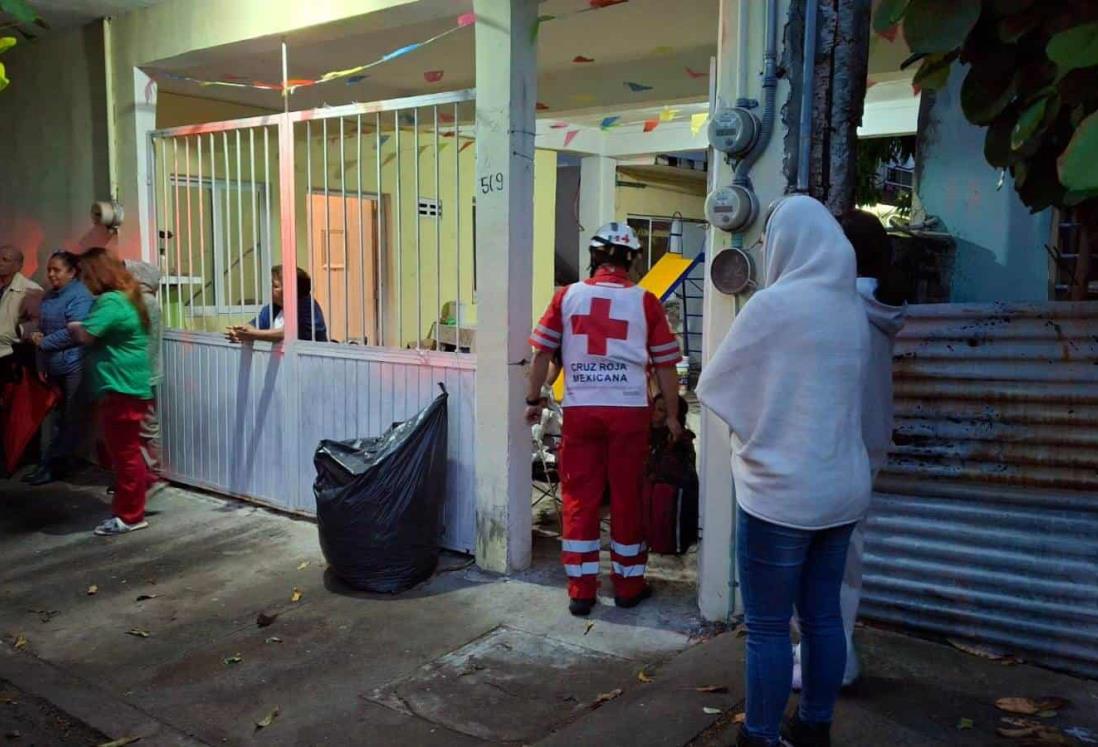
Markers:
(491, 183)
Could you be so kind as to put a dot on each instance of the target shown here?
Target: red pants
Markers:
(602, 445)
(120, 418)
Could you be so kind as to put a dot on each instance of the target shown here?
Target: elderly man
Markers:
(20, 298)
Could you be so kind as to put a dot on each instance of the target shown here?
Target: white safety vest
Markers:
(604, 348)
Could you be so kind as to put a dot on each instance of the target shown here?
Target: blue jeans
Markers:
(781, 567)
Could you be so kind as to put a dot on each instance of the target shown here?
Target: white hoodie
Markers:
(789, 377)
(885, 322)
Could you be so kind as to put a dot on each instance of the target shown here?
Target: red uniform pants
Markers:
(600, 446)
(120, 417)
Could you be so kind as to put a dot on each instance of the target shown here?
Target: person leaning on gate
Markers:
(608, 331)
(268, 325)
(148, 280)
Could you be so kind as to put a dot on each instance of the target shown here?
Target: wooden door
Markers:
(344, 265)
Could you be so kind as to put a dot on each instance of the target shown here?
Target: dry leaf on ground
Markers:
(1031, 706)
(262, 620)
(234, 659)
(605, 698)
(296, 595)
(274, 639)
(138, 632)
(712, 689)
(93, 590)
(644, 677)
(711, 711)
(304, 564)
(267, 720)
(587, 629)
(979, 649)
(121, 742)
(20, 641)
(739, 718)
(146, 597)
(45, 615)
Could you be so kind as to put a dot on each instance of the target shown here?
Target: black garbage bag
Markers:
(379, 502)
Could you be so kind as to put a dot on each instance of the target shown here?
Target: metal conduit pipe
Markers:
(770, 91)
(808, 90)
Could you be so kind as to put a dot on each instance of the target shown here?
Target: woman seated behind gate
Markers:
(268, 325)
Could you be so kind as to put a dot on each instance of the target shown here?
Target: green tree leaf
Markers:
(1076, 165)
(934, 72)
(3, 77)
(989, 86)
(939, 26)
(1029, 122)
(1074, 48)
(889, 14)
(6, 43)
(19, 10)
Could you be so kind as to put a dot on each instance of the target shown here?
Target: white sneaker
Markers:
(114, 525)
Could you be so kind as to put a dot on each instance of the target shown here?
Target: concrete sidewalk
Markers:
(465, 658)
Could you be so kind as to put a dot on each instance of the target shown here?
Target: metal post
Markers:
(327, 231)
(419, 256)
(240, 220)
(175, 214)
(438, 241)
(379, 303)
(268, 255)
(308, 215)
(202, 227)
(457, 226)
(227, 219)
(346, 247)
(399, 236)
(190, 237)
(361, 230)
(255, 218)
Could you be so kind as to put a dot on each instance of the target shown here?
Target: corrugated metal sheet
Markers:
(985, 522)
(245, 421)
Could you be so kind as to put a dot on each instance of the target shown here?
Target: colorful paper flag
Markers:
(637, 87)
(356, 79)
(608, 122)
(651, 124)
(445, 118)
(464, 146)
(695, 74)
(580, 59)
(384, 139)
(890, 32)
(668, 114)
(536, 29)
(541, 107)
(433, 76)
(389, 159)
(569, 137)
(402, 51)
(596, 4)
(697, 122)
(558, 125)
(467, 19)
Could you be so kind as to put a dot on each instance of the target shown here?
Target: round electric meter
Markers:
(733, 130)
(731, 208)
(732, 272)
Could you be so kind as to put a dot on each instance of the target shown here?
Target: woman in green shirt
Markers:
(117, 335)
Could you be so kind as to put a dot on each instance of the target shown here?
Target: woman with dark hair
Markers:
(268, 326)
(117, 334)
(61, 360)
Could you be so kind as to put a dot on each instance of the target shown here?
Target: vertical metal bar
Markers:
(457, 223)
(190, 233)
(365, 297)
(240, 220)
(438, 240)
(327, 229)
(346, 229)
(255, 218)
(379, 303)
(268, 256)
(311, 260)
(202, 227)
(399, 236)
(227, 220)
(161, 183)
(419, 257)
(214, 237)
(178, 248)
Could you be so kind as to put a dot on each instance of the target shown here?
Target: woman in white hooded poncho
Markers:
(788, 381)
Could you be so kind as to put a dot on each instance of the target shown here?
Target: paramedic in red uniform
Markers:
(608, 332)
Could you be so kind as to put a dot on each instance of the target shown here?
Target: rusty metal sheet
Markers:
(984, 525)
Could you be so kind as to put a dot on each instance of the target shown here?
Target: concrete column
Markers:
(506, 82)
(717, 594)
(144, 121)
(597, 197)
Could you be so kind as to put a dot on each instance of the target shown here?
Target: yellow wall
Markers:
(173, 110)
(659, 198)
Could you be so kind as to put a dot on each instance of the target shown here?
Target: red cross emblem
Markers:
(599, 327)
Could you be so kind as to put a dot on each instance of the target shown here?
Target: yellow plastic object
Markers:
(664, 275)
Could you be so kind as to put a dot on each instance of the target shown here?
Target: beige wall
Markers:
(659, 198)
(53, 145)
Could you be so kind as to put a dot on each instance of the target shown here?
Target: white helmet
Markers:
(616, 234)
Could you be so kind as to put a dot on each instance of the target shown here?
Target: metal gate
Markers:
(985, 522)
(374, 203)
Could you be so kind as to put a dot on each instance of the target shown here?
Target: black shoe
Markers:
(630, 602)
(41, 477)
(581, 607)
(31, 476)
(801, 734)
(743, 739)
